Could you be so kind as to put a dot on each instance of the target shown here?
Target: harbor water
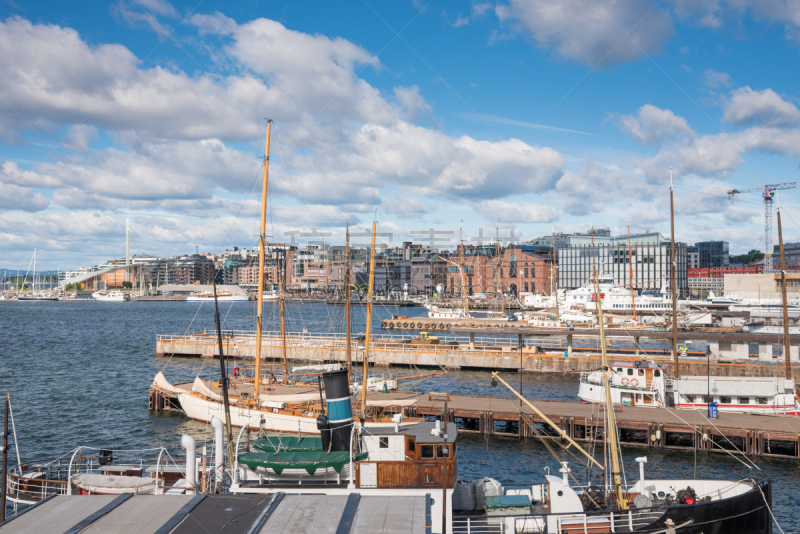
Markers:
(78, 374)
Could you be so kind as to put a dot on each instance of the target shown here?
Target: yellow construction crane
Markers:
(768, 192)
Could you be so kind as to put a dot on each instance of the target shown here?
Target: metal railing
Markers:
(33, 481)
(588, 522)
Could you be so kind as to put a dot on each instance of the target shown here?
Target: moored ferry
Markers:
(643, 383)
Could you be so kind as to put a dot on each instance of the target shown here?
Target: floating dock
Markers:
(524, 351)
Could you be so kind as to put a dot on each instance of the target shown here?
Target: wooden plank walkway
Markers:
(756, 435)
(660, 428)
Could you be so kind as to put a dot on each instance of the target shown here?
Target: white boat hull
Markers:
(225, 298)
(591, 393)
(203, 410)
(196, 407)
(113, 296)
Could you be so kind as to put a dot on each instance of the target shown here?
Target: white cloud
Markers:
(714, 79)
(765, 108)
(651, 124)
(21, 198)
(517, 212)
(592, 31)
(715, 13)
(80, 137)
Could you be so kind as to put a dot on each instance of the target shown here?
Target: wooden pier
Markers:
(775, 436)
(659, 428)
(475, 351)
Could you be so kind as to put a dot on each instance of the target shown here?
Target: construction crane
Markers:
(768, 192)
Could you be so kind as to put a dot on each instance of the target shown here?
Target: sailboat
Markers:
(267, 402)
(33, 295)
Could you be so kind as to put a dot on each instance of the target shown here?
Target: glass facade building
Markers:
(713, 254)
(650, 260)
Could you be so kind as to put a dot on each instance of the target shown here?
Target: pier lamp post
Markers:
(708, 382)
(519, 348)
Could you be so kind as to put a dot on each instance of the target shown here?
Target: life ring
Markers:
(634, 382)
(419, 325)
(236, 371)
(625, 381)
(427, 325)
(390, 324)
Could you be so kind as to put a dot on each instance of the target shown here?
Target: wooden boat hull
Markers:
(201, 409)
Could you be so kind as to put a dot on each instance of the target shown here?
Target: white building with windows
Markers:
(647, 258)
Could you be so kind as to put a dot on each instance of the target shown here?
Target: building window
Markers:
(442, 451)
(526, 287)
(512, 266)
(724, 400)
(526, 272)
(426, 452)
(744, 400)
(384, 443)
(761, 400)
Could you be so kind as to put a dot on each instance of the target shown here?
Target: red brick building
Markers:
(517, 271)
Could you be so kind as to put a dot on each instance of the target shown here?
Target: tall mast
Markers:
(33, 278)
(369, 319)
(347, 298)
(281, 280)
(554, 274)
(630, 262)
(786, 343)
(674, 281)
(464, 275)
(497, 272)
(223, 382)
(616, 475)
(127, 240)
(262, 245)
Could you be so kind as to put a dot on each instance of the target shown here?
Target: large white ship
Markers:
(645, 383)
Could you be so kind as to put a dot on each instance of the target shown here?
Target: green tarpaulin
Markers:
(506, 501)
(308, 460)
(289, 444)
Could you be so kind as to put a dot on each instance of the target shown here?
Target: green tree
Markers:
(750, 257)
(127, 285)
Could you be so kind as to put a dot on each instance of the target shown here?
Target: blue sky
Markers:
(544, 115)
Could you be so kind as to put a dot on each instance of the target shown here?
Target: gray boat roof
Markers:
(732, 385)
(421, 432)
(238, 514)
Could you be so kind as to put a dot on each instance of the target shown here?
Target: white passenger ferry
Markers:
(644, 383)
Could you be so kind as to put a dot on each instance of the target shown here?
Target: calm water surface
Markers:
(79, 372)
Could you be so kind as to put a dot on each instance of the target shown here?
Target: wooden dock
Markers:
(660, 428)
(656, 428)
(468, 352)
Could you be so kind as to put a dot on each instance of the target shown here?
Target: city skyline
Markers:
(420, 114)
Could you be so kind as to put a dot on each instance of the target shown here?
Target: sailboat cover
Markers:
(289, 444)
(308, 460)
